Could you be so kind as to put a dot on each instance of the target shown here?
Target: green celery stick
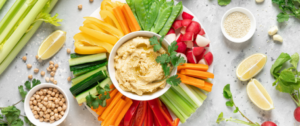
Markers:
(10, 14)
(2, 2)
(165, 100)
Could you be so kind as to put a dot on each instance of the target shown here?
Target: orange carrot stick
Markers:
(101, 109)
(114, 113)
(124, 111)
(197, 73)
(121, 18)
(112, 104)
(207, 86)
(132, 22)
(191, 81)
(201, 67)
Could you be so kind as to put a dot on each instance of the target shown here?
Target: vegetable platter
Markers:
(93, 88)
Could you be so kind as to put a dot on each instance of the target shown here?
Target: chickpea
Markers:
(31, 107)
(43, 73)
(63, 100)
(44, 108)
(56, 106)
(55, 90)
(30, 102)
(47, 116)
(61, 96)
(64, 107)
(55, 115)
(46, 120)
(34, 112)
(36, 70)
(55, 82)
(51, 66)
(49, 111)
(41, 119)
(24, 58)
(56, 65)
(56, 95)
(79, 8)
(38, 109)
(51, 62)
(29, 66)
(52, 121)
(69, 50)
(59, 116)
(51, 79)
(54, 69)
(41, 113)
(53, 106)
(36, 116)
(37, 97)
(59, 109)
(42, 97)
(55, 111)
(45, 99)
(34, 102)
(62, 113)
(40, 106)
(48, 69)
(37, 57)
(52, 74)
(53, 94)
(69, 79)
(49, 92)
(40, 93)
(52, 113)
(50, 98)
(50, 89)
(52, 117)
(32, 98)
(49, 105)
(39, 100)
(60, 103)
(30, 77)
(91, 0)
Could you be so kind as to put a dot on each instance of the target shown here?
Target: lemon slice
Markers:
(251, 66)
(52, 44)
(259, 96)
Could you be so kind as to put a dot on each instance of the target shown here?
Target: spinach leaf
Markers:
(223, 2)
(276, 67)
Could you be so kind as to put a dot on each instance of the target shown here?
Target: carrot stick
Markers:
(101, 109)
(111, 87)
(112, 104)
(114, 113)
(201, 67)
(197, 73)
(132, 22)
(207, 86)
(121, 18)
(191, 81)
(124, 111)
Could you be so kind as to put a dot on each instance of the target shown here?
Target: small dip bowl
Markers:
(112, 70)
(29, 113)
(251, 30)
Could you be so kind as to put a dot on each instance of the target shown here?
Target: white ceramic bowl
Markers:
(112, 71)
(29, 113)
(251, 31)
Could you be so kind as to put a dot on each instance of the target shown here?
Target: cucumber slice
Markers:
(88, 59)
(74, 55)
(82, 66)
(78, 79)
(93, 91)
(85, 70)
(88, 83)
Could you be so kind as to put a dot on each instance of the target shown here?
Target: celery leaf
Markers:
(46, 17)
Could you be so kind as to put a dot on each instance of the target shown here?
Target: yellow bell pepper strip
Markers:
(92, 26)
(99, 35)
(80, 48)
(109, 21)
(93, 41)
(106, 3)
(105, 13)
(107, 27)
(132, 22)
(121, 18)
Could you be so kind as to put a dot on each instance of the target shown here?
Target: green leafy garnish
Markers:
(35, 82)
(228, 95)
(223, 2)
(27, 121)
(288, 79)
(46, 17)
(22, 92)
(168, 61)
(96, 101)
(288, 8)
(28, 87)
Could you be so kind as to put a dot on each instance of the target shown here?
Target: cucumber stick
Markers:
(87, 59)
(82, 66)
(88, 83)
(78, 79)
(93, 91)
(74, 55)
(88, 69)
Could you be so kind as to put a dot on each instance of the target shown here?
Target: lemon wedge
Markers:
(52, 44)
(259, 96)
(251, 66)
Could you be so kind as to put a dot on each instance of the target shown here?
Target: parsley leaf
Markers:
(154, 42)
(28, 121)
(282, 17)
(173, 47)
(22, 92)
(288, 8)
(276, 67)
(223, 2)
(35, 82)
(96, 101)
(27, 85)
(174, 80)
(166, 69)
(162, 59)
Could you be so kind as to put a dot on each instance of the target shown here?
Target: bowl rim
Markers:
(111, 69)
(252, 28)
(29, 113)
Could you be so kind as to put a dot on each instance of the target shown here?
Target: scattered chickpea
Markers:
(68, 50)
(24, 58)
(51, 62)
(80, 6)
(37, 57)
(47, 79)
(56, 65)
(51, 66)
(91, 0)
(48, 69)
(29, 66)
(69, 79)
(43, 73)
(55, 82)
(30, 77)
(52, 74)
(36, 70)
(53, 69)
(51, 79)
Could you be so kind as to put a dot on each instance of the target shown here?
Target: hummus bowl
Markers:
(112, 70)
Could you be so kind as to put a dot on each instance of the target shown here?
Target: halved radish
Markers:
(199, 57)
(170, 37)
(179, 38)
(186, 15)
(171, 31)
(177, 24)
(189, 44)
(188, 36)
(190, 57)
(182, 30)
(194, 27)
(202, 61)
(197, 51)
(201, 41)
(208, 58)
(202, 32)
(186, 22)
(182, 55)
(181, 47)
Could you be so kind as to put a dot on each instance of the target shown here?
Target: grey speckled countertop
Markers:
(227, 56)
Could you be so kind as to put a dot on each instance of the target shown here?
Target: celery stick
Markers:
(184, 96)
(193, 95)
(199, 92)
(181, 106)
(2, 2)
(24, 39)
(22, 28)
(10, 14)
(165, 100)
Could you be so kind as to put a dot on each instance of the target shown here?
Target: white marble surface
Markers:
(227, 56)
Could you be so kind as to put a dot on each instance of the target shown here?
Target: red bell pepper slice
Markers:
(149, 120)
(156, 122)
(165, 110)
(130, 113)
(140, 114)
(122, 122)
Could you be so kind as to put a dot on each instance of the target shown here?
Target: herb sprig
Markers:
(223, 2)
(96, 101)
(168, 59)
(228, 95)
(288, 8)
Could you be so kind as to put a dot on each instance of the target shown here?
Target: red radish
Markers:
(170, 37)
(268, 123)
(186, 15)
(189, 44)
(198, 58)
(182, 55)
(202, 61)
(297, 114)
(179, 38)
(171, 31)
(202, 32)
(197, 51)
(202, 41)
(177, 24)
(182, 30)
(208, 58)
(190, 57)
(186, 22)
(181, 47)
(194, 27)
(188, 36)
(207, 45)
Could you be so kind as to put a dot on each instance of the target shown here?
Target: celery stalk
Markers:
(24, 39)
(2, 2)
(165, 100)
(184, 96)
(10, 14)
(14, 22)
(199, 92)
(193, 95)
(181, 106)
(22, 28)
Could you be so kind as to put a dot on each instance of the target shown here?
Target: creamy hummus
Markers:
(136, 67)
